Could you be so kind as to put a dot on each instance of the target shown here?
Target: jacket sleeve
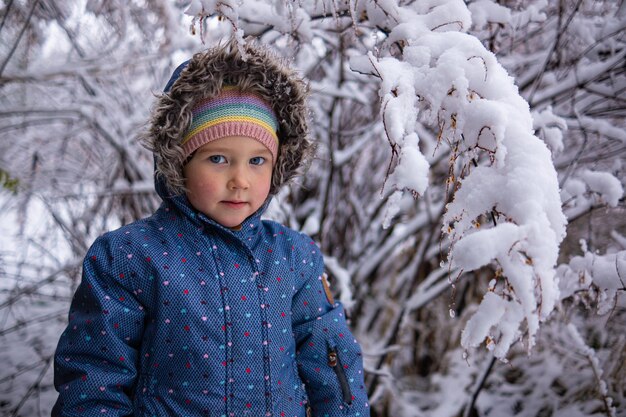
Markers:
(329, 358)
(95, 365)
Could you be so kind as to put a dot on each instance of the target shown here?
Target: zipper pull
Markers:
(332, 358)
(335, 363)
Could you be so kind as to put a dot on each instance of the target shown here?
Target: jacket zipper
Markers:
(335, 363)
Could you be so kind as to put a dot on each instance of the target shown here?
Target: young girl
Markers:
(204, 309)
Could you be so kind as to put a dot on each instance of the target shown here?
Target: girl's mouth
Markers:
(234, 204)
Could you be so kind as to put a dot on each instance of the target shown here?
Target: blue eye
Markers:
(257, 160)
(217, 159)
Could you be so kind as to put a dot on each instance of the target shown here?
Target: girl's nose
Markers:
(238, 179)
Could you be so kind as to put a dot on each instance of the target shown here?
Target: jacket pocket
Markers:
(334, 361)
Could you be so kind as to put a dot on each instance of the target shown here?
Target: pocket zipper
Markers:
(335, 363)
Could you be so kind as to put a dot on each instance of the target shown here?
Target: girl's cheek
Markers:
(200, 184)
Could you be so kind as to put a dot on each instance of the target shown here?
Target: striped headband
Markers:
(232, 113)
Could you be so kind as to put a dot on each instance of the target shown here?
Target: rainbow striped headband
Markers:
(232, 113)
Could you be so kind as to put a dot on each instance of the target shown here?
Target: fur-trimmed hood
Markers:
(249, 67)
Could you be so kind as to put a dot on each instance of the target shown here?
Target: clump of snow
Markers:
(588, 188)
(607, 274)
(573, 189)
(492, 312)
(392, 208)
(343, 278)
(480, 248)
(312, 225)
(411, 173)
(540, 224)
(550, 128)
(487, 11)
(605, 184)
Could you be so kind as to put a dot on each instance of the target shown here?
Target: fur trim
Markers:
(257, 70)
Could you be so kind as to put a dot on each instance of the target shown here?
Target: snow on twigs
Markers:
(448, 79)
(344, 281)
(605, 184)
(608, 273)
(587, 189)
(488, 11)
(591, 356)
(550, 128)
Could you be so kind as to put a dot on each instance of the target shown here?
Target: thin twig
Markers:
(19, 37)
(32, 288)
(40, 319)
(20, 371)
(480, 383)
(7, 9)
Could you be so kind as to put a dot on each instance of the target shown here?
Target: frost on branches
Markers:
(506, 207)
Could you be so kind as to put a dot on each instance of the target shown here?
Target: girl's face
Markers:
(229, 179)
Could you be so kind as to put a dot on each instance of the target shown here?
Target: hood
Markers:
(250, 67)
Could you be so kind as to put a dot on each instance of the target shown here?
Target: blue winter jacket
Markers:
(179, 316)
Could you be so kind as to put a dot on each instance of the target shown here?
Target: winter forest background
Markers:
(467, 192)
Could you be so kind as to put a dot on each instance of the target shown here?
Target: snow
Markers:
(312, 225)
(605, 184)
(450, 79)
(412, 170)
(529, 13)
(550, 127)
(490, 312)
(595, 364)
(194, 8)
(600, 126)
(580, 76)
(608, 272)
(486, 11)
(620, 239)
(481, 247)
(344, 281)
(392, 208)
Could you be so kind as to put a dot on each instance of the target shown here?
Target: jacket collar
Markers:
(249, 229)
